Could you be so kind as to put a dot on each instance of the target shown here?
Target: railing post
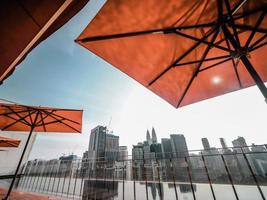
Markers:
(70, 175)
(207, 172)
(50, 176)
(43, 175)
(144, 173)
(123, 179)
(173, 176)
(253, 174)
(64, 179)
(56, 174)
(158, 166)
(76, 175)
(31, 177)
(38, 178)
(26, 174)
(229, 177)
(190, 178)
(59, 176)
(134, 177)
(46, 176)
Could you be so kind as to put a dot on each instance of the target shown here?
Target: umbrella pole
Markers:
(21, 158)
(253, 73)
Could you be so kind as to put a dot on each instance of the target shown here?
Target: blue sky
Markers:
(60, 73)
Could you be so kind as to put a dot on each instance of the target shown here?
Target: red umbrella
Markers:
(184, 51)
(25, 23)
(14, 117)
(9, 142)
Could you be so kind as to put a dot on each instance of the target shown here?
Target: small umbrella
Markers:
(15, 117)
(184, 51)
(9, 142)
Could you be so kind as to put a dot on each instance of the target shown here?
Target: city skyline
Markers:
(99, 132)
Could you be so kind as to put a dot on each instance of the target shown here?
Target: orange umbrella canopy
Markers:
(184, 51)
(15, 117)
(9, 142)
(25, 23)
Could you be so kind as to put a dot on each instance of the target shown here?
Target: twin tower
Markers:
(152, 140)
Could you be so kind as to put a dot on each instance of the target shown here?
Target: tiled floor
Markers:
(17, 195)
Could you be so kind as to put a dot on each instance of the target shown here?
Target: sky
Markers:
(60, 73)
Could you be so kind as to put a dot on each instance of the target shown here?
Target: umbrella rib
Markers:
(203, 41)
(214, 65)
(61, 121)
(18, 120)
(205, 60)
(138, 33)
(9, 143)
(30, 116)
(259, 46)
(231, 21)
(29, 14)
(234, 66)
(258, 41)
(64, 118)
(238, 6)
(42, 120)
(249, 12)
(47, 115)
(181, 57)
(251, 28)
(8, 113)
(23, 118)
(255, 28)
(196, 71)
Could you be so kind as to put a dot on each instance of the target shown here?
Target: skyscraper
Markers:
(179, 146)
(154, 136)
(180, 152)
(205, 143)
(166, 148)
(240, 142)
(223, 143)
(102, 147)
(148, 138)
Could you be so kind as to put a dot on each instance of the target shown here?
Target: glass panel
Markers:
(257, 158)
(242, 178)
(182, 180)
(200, 178)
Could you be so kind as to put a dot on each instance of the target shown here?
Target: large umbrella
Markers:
(9, 142)
(184, 51)
(25, 23)
(14, 117)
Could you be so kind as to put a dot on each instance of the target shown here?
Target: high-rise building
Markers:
(223, 143)
(157, 149)
(166, 148)
(96, 148)
(240, 142)
(205, 143)
(179, 146)
(154, 136)
(180, 154)
(111, 147)
(137, 163)
(123, 153)
(102, 147)
(148, 138)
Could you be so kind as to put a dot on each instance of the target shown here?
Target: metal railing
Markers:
(210, 174)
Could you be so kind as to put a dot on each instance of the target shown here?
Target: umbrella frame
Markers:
(32, 124)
